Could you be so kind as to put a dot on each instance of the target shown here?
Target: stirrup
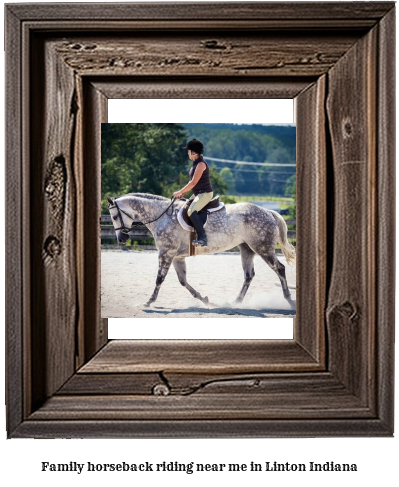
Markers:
(201, 242)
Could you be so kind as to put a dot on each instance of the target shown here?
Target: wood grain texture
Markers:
(250, 428)
(203, 407)
(341, 26)
(65, 61)
(311, 218)
(15, 254)
(311, 149)
(53, 213)
(94, 329)
(200, 356)
(173, 87)
(184, 384)
(112, 384)
(241, 55)
(385, 269)
(351, 307)
(89, 396)
(277, 11)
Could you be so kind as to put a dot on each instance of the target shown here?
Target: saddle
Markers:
(184, 220)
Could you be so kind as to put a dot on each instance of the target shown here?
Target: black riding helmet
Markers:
(196, 146)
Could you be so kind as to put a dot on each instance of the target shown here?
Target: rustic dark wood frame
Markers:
(64, 379)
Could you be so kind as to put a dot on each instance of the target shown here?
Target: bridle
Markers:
(124, 229)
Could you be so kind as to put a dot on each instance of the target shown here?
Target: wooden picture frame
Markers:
(335, 378)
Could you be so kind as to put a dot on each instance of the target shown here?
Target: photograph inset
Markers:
(212, 201)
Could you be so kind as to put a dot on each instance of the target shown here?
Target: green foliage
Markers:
(149, 158)
(228, 200)
(219, 185)
(291, 191)
(233, 141)
(272, 144)
(141, 157)
(228, 177)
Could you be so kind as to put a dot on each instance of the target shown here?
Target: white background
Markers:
(200, 111)
(21, 459)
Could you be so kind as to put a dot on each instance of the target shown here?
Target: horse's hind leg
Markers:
(247, 260)
(164, 261)
(279, 268)
(181, 270)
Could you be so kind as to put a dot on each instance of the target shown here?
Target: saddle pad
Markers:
(184, 220)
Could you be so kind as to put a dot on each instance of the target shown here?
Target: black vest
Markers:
(204, 184)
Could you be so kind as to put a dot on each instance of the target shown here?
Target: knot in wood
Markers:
(161, 390)
(90, 47)
(347, 128)
(116, 62)
(55, 180)
(346, 310)
(213, 44)
(349, 310)
(50, 188)
(52, 246)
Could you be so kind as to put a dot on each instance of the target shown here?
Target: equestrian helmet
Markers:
(196, 146)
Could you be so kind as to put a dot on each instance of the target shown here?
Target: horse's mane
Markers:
(147, 196)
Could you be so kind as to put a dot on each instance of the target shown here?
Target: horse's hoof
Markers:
(205, 300)
(147, 304)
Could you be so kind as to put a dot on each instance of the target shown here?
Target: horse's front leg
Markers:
(181, 271)
(164, 261)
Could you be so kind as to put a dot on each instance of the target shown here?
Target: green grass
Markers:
(242, 198)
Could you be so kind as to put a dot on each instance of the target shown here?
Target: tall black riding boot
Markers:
(201, 240)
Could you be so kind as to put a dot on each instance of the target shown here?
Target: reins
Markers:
(134, 224)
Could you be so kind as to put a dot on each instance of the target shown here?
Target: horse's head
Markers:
(121, 230)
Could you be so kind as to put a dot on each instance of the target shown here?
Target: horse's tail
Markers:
(287, 248)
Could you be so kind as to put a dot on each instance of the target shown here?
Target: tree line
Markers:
(271, 145)
(150, 158)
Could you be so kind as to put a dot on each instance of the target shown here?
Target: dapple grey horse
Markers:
(253, 229)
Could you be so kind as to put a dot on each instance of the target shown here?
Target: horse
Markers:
(253, 229)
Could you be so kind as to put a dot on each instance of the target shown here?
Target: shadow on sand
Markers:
(255, 313)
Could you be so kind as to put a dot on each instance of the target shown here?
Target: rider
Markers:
(200, 183)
